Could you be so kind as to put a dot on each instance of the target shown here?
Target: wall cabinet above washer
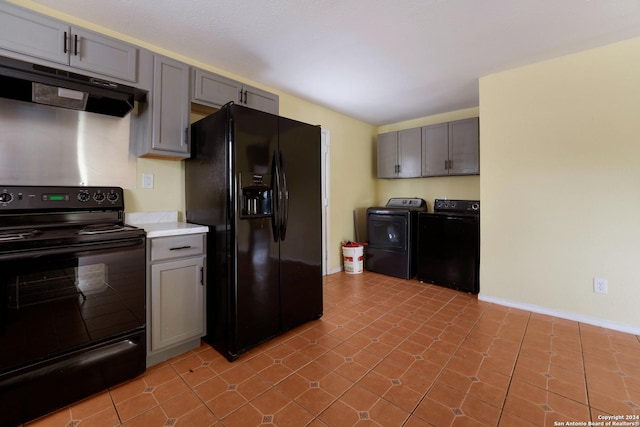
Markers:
(214, 90)
(451, 148)
(38, 36)
(399, 154)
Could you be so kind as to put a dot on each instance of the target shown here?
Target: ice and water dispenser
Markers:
(256, 196)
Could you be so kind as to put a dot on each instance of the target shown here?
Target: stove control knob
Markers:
(83, 196)
(98, 197)
(112, 197)
(6, 197)
(475, 206)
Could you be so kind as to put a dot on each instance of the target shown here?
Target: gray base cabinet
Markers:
(214, 91)
(175, 295)
(28, 33)
(451, 148)
(399, 154)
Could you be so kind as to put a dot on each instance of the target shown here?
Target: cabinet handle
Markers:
(240, 100)
(202, 276)
(186, 136)
(245, 97)
(65, 42)
(177, 248)
(75, 44)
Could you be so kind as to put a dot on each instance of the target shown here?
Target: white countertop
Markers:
(163, 224)
(163, 229)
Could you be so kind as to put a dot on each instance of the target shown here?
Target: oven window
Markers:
(388, 231)
(53, 304)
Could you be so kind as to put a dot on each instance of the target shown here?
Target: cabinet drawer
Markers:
(176, 247)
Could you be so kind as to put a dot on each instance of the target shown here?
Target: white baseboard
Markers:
(563, 315)
(334, 270)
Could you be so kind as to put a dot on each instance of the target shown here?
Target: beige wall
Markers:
(560, 185)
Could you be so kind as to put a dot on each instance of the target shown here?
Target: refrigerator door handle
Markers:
(275, 197)
(284, 199)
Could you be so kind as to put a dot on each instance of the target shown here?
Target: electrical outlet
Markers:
(600, 285)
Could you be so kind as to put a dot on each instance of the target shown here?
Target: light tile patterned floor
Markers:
(389, 352)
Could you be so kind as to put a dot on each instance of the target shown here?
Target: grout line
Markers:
(584, 369)
(515, 364)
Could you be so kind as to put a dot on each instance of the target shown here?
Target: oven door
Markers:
(56, 301)
(388, 231)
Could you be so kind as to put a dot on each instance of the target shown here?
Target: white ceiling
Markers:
(381, 61)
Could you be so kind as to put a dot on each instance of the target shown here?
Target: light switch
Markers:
(147, 180)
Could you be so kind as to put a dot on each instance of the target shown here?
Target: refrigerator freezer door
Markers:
(301, 245)
(255, 301)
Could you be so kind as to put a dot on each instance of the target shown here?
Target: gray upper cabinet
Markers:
(259, 99)
(160, 126)
(34, 35)
(451, 148)
(214, 91)
(170, 107)
(399, 154)
(435, 150)
(92, 52)
(387, 155)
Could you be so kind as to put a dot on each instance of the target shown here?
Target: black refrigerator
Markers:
(255, 179)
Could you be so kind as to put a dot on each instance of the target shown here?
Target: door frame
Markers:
(325, 144)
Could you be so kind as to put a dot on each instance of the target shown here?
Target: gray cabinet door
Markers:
(170, 107)
(464, 147)
(409, 153)
(28, 33)
(387, 155)
(259, 99)
(32, 34)
(177, 302)
(104, 55)
(435, 149)
(212, 89)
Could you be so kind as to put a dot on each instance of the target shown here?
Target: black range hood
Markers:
(49, 86)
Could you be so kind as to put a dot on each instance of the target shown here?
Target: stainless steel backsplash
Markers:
(42, 145)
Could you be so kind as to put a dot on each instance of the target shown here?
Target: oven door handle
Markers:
(93, 246)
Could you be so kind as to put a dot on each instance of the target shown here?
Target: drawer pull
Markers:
(180, 247)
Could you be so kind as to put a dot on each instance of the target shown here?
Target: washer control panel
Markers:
(45, 198)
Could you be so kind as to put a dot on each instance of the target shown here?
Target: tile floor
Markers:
(390, 352)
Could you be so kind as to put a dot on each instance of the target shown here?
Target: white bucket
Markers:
(353, 258)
